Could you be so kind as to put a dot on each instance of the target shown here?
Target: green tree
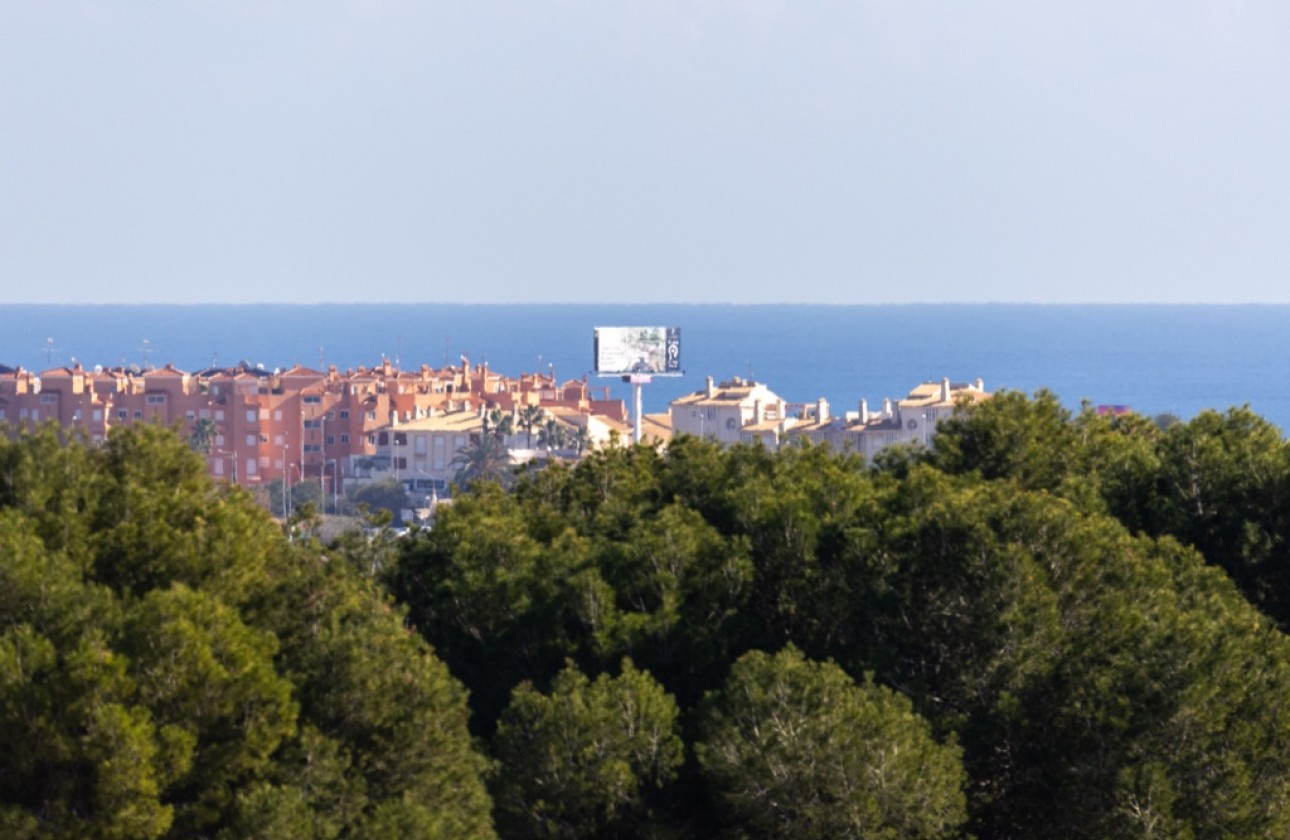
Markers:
(203, 435)
(794, 748)
(388, 495)
(498, 424)
(529, 418)
(384, 736)
(196, 666)
(553, 434)
(584, 760)
(494, 601)
(485, 459)
(171, 667)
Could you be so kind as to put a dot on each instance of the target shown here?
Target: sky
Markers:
(670, 151)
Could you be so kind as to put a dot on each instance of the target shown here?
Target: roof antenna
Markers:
(49, 352)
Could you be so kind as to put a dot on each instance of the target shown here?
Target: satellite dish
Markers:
(98, 368)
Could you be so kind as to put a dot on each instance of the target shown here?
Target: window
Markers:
(250, 466)
(98, 414)
(190, 415)
(250, 440)
(277, 440)
(383, 439)
(311, 447)
(400, 438)
(420, 445)
(311, 399)
(122, 414)
(277, 415)
(264, 414)
(343, 439)
(313, 424)
(48, 398)
(250, 415)
(138, 415)
(219, 440)
(219, 414)
(205, 413)
(329, 415)
(156, 399)
(400, 463)
(344, 414)
(331, 440)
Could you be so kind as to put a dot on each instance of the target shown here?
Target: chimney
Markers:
(864, 411)
(979, 384)
(821, 410)
(945, 389)
(711, 391)
(756, 411)
(886, 406)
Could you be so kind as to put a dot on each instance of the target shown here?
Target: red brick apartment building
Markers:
(294, 424)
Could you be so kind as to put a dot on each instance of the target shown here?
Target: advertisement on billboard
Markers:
(638, 350)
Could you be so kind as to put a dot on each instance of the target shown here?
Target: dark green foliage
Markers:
(794, 748)
(585, 760)
(1101, 679)
(388, 495)
(1037, 618)
(170, 667)
(1219, 482)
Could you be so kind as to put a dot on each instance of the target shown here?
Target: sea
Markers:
(1153, 359)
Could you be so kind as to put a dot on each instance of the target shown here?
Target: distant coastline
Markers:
(1179, 358)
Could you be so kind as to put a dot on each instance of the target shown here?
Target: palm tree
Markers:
(484, 459)
(530, 416)
(203, 435)
(552, 435)
(581, 439)
(500, 423)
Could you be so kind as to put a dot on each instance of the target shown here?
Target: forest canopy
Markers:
(1047, 625)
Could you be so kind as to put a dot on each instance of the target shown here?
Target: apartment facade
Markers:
(294, 425)
(737, 411)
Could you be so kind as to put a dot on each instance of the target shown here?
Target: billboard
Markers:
(642, 350)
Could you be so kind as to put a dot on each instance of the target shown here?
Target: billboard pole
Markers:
(637, 381)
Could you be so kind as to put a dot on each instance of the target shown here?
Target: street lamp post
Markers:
(232, 460)
(335, 481)
(286, 481)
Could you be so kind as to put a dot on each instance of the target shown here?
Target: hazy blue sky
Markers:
(611, 151)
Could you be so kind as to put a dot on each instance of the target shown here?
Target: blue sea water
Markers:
(1153, 358)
